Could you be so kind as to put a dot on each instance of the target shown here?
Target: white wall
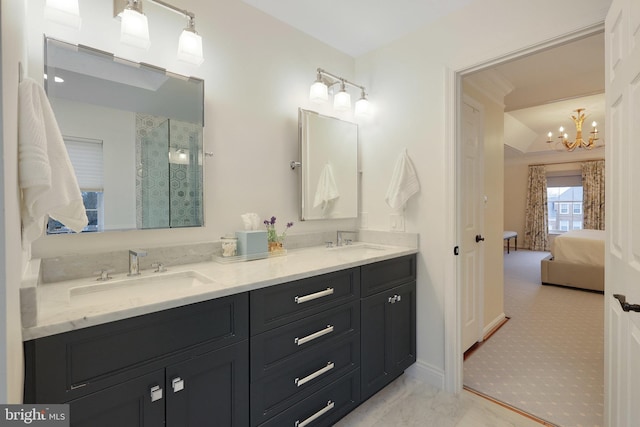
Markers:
(257, 73)
(11, 259)
(408, 83)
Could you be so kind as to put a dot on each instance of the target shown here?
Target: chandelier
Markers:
(578, 142)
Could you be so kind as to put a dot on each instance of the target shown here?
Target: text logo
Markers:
(34, 415)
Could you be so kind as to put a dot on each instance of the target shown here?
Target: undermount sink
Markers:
(357, 247)
(139, 285)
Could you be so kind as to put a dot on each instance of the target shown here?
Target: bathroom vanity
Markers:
(301, 347)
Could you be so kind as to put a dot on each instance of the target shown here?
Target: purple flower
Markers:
(273, 220)
(289, 224)
(266, 222)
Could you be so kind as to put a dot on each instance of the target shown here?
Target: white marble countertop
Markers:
(95, 303)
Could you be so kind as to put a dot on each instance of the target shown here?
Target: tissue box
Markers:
(252, 243)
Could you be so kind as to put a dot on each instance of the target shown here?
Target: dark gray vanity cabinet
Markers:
(388, 335)
(305, 350)
(186, 366)
(127, 405)
(300, 353)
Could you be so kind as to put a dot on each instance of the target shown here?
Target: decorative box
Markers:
(252, 243)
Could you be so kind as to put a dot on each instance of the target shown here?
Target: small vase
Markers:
(275, 246)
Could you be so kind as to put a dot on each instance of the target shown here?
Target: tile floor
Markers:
(409, 402)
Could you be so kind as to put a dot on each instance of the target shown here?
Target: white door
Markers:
(472, 204)
(622, 262)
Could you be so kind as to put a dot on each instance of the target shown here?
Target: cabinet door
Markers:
(210, 390)
(388, 336)
(130, 404)
(402, 319)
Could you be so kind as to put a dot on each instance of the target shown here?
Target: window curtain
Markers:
(536, 233)
(593, 194)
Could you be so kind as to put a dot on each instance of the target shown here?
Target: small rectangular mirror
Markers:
(329, 166)
(134, 136)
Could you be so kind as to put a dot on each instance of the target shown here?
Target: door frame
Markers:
(453, 354)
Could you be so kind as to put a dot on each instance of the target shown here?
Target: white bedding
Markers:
(580, 247)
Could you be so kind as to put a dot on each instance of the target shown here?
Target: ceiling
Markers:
(546, 87)
(356, 26)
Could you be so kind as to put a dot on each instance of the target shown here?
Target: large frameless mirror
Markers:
(329, 166)
(134, 136)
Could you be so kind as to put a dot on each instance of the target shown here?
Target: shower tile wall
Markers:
(168, 189)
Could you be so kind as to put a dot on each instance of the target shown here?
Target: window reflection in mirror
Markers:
(329, 166)
(136, 134)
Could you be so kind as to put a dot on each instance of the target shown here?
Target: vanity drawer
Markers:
(302, 376)
(387, 274)
(323, 408)
(66, 366)
(272, 350)
(277, 305)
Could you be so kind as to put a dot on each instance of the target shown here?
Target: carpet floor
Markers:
(548, 359)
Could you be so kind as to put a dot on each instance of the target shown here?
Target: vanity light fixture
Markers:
(134, 29)
(342, 99)
(319, 92)
(56, 79)
(363, 106)
(64, 12)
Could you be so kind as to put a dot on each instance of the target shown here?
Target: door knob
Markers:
(479, 238)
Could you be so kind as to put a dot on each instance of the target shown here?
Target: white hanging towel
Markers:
(47, 179)
(404, 182)
(327, 190)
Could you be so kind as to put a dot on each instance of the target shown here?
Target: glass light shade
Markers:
(363, 108)
(64, 12)
(134, 29)
(342, 101)
(190, 47)
(318, 92)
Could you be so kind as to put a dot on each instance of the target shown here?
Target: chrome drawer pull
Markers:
(177, 384)
(299, 382)
(156, 393)
(310, 297)
(314, 335)
(317, 415)
(394, 299)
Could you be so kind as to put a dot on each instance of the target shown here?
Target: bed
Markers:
(576, 260)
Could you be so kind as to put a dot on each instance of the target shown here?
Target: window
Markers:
(93, 205)
(577, 208)
(564, 201)
(87, 160)
(564, 208)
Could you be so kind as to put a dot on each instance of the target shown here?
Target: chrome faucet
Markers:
(134, 261)
(340, 240)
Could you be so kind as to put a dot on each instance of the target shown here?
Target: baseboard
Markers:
(493, 325)
(428, 373)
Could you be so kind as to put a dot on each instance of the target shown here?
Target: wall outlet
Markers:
(396, 222)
